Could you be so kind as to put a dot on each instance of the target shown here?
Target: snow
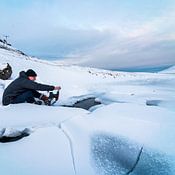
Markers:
(170, 70)
(134, 122)
(3, 65)
(44, 152)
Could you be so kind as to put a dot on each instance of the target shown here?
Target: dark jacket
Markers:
(21, 85)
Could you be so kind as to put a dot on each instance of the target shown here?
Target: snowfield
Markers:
(131, 132)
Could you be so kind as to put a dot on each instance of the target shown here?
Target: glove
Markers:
(57, 88)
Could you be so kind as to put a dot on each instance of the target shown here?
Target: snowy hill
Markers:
(170, 70)
(131, 132)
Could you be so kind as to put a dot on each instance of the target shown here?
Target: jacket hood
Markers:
(22, 74)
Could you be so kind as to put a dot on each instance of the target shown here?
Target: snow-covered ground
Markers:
(131, 132)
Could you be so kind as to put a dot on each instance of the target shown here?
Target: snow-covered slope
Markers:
(170, 70)
(131, 132)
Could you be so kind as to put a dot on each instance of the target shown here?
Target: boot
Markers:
(38, 102)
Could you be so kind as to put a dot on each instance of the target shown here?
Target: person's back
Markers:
(14, 89)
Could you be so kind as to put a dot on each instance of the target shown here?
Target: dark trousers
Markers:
(28, 96)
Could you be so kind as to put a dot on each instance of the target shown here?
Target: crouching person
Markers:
(25, 89)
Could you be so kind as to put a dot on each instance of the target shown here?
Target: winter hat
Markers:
(31, 73)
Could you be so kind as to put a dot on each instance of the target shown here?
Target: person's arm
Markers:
(28, 84)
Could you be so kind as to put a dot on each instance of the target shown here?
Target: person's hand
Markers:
(57, 88)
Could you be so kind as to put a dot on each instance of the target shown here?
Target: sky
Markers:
(111, 34)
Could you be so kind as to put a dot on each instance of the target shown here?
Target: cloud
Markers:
(151, 44)
(113, 35)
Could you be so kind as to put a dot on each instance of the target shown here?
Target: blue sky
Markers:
(108, 34)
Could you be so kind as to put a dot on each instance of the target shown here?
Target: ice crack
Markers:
(70, 143)
(137, 160)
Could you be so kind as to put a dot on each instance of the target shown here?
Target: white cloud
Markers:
(46, 29)
(151, 44)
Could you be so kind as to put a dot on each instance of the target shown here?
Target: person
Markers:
(25, 89)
